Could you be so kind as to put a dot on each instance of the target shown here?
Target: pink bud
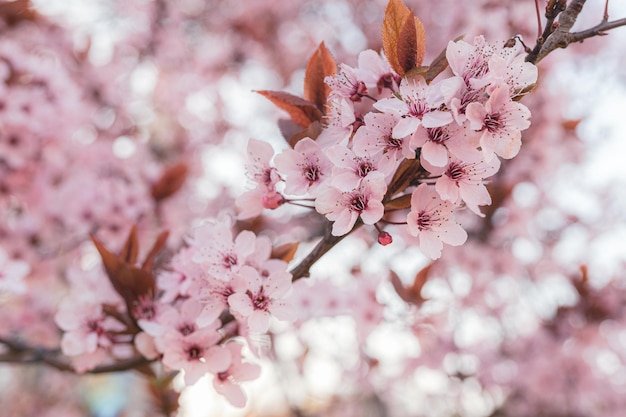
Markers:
(384, 238)
(273, 200)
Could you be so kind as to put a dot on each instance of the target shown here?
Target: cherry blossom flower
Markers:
(305, 166)
(418, 105)
(349, 168)
(196, 354)
(341, 121)
(86, 327)
(227, 381)
(345, 84)
(262, 299)
(345, 207)
(375, 138)
(432, 220)
(259, 170)
(437, 143)
(376, 72)
(465, 181)
(216, 250)
(501, 121)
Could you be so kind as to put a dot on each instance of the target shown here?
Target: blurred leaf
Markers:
(400, 203)
(16, 11)
(413, 293)
(320, 65)
(129, 281)
(170, 181)
(313, 131)
(157, 248)
(286, 251)
(301, 111)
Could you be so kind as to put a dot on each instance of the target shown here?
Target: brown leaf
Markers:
(286, 251)
(407, 46)
(421, 40)
(400, 203)
(170, 181)
(320, 65)
(16, 11)
(128, 280)
(404, 37)
(313, 131)
(159, 245)
(130, 251)
(301, 111)
(413, 293)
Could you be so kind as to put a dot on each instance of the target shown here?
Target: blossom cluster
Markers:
(224, 288)
(456, 128)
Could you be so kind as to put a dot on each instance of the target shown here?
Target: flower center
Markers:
(493, 122)
(364, 168)
(358, 203)
(438, 135)
(456, 172)
(311, 173)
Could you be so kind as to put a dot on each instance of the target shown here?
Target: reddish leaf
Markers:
(171, 180)
(400, 203)
(402, 47)
(285, 251)
(130, 251)
(396, 14)
(301, 111)
(320, 65)
(130, 282)
(157, 248)
(313, 131)
(16, 11)
(406, 49)
(413, 293)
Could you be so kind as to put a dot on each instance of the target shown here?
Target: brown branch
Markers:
(559, 36)
(327, 243)
(23, 353)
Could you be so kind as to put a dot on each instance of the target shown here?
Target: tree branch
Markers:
(23, 353)
(559, 36)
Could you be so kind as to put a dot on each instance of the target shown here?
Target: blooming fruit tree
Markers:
(391, 156)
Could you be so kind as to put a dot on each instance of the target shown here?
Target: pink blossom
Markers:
(262, 299)
(259, 170)
(305, 166)
(346, 85)
(86, 327)
(350, 168)
(216, 250)
(437, 143)
(501, 121)
(375, 138)
(345, 207)
(376, 72)
(196, 354)
(227, 382)
(418, 105)
(465, 181)
(432, 220)
(341, 120)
